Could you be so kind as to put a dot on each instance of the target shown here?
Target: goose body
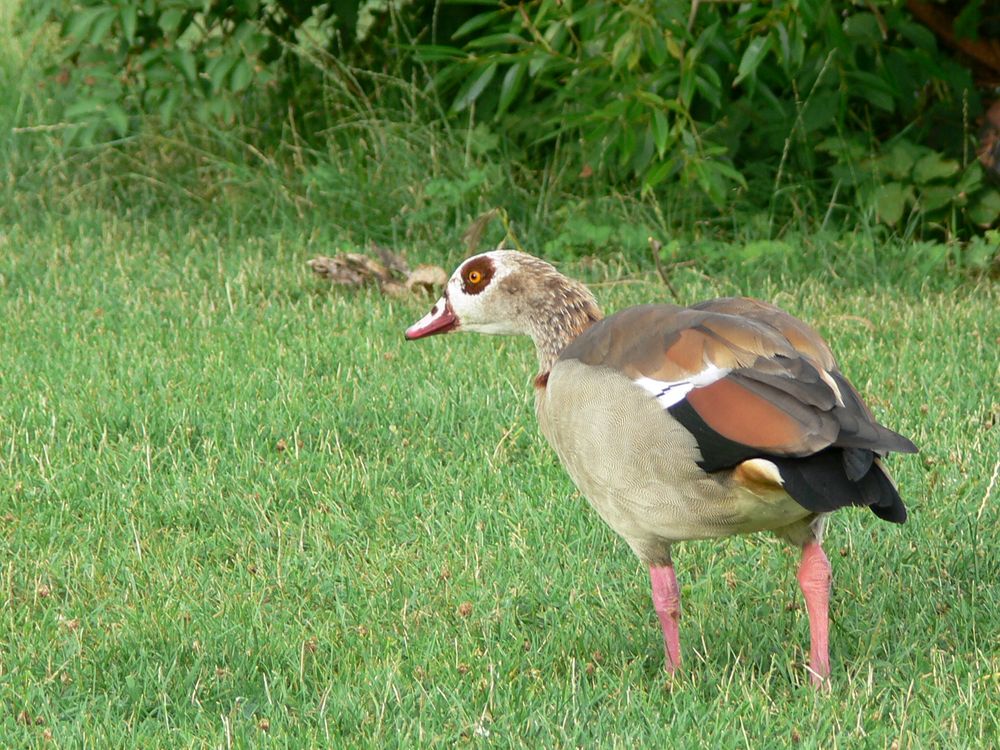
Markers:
(681, 423)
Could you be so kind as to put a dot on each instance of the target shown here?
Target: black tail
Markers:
(835, 478)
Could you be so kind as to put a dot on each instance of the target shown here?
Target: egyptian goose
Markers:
(677, 423)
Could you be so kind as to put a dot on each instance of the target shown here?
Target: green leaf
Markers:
(482, 140)
(184, 60)
(981, 252)
(556, 35)
(510, 86)
(648, 97)
(968, 20)
(729, 172)
(674, 48)
(621, 54)
(933, 166)
(158, 74)
(438, 52)
(168, 105)
(242, 34)
(538, 64)
(82, 107)
(710, 181)
(656, 47)
(786, 53)
(890, 201)
(476, 22)
(79, 23)
(241, 76)
(709, 85)
(149, 56)
(843, 149)
(917, 35)
(933, 197)
(899, 161)
(130, 19)
(661, 131)
(985, 211)
(821, 110)
(626, 144)
(170, 19)
(219, 68)
(473, 87)
(117, 118)
(87, 133)
(752, 56)
(658, 174)
(503, 40)
(102, 25)
(687, 85)
(876, 90)
(644, 152)
(863, 27)
(706, 39)
(224, 110)
(971, 178)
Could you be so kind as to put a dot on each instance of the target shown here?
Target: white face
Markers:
(473, 300)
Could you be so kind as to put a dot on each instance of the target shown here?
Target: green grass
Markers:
(232, 498)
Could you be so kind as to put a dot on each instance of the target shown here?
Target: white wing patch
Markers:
(669, 393)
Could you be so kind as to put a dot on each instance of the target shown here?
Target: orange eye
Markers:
(475, 277)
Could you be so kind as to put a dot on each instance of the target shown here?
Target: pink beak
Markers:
(439, 320)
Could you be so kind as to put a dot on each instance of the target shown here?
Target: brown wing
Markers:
(744, 377)
(803, 338)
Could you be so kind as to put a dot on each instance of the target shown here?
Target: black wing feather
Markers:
(820, 484)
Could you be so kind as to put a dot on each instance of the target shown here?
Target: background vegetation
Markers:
(236, 509)
(791, 116)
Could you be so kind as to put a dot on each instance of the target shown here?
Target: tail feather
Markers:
(857, 462)
(889, 505)
(825, 482)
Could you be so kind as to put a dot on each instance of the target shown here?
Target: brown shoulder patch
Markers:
(803, 337)
(542, 379)
(687, 352)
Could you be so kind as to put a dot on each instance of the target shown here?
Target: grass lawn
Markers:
(237, 509)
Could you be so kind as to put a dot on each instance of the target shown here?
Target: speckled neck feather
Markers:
(555, 310)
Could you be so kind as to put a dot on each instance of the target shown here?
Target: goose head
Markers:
(476, 298)
(510, 292)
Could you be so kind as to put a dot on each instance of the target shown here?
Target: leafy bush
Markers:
(717, 96)
(222, 62)
(731, 103)
(916, 183)
(123, 58)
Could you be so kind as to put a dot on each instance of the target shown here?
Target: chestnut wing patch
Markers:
(778, 424)
(749, 414)
(737, 418)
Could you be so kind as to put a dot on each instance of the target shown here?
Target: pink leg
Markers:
(814, 580)
(667, 603)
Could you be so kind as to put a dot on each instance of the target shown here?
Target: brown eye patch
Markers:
(477, 275)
